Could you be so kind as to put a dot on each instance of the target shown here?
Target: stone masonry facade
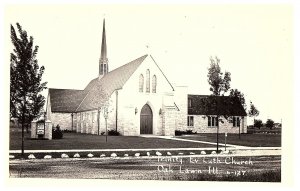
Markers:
(201, 125)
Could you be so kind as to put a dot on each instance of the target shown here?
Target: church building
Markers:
(135, 99)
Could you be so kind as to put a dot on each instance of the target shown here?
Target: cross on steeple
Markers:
(103, 62)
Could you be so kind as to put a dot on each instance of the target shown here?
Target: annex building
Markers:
(137, 98)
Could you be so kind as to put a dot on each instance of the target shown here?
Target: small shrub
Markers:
(68, 131)
(178, 133)
(102, 133)
(113, 133)
(187, 132)
(57, 133)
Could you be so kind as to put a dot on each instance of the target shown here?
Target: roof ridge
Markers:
(162, 72)
(129, 63)
(86, 95)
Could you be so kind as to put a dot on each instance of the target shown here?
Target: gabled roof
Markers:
(65, 100)
(100, 89)
(224, 105)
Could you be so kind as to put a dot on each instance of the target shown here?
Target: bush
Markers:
(68, 131)
(57, 133)
(187, 132)
(113, 133)
(258, 123)
(270, 123)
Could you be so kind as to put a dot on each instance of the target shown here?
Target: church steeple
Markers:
(103, 62)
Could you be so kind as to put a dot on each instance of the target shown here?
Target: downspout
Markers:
(72, 120)
(98, 120)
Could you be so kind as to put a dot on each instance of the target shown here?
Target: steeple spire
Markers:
(103, 62)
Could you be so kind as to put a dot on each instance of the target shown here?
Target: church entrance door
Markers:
(146, 120)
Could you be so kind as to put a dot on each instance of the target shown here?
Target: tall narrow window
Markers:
(148, 81)
(154, 84)
(212, 121)
(190, 121)
(141, 83)
(104, 69)
(101, 69)
(236, 121)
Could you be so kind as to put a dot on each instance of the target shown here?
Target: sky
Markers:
(253, 42)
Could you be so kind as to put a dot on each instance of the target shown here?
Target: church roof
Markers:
(100, 89)
(225, 105)
(65, 100)
(96, 92)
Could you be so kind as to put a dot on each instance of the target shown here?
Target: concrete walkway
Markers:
(194, 141)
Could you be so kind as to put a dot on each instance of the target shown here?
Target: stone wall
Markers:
(180, 99)
(201, 125)
(64, 120)
(169, 118)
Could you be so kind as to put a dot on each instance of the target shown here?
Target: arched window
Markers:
(141, 83)
(154, 84)
(148, 81)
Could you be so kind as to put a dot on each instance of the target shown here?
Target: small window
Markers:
(154, 84)
(212, 121)
(236, 121)
(141, 83)
(189, 103)
(101, 68)
(190, 121)
(104, 69)
(148, 81)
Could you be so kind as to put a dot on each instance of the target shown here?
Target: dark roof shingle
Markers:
(100, 90)
(65, 100)
(224, 105)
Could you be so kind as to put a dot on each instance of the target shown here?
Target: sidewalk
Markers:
(194, 141)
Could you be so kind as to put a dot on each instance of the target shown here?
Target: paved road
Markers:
(146, 168)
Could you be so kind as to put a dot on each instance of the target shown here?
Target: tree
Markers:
(219, 85)
(270, 123)
(236, 93)
(26, 102)
(253, 112)
(240, 96)
(258, 123)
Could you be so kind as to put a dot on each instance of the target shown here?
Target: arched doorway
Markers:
(146, 120)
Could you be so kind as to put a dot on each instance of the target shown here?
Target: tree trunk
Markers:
(22, 148)
(218, 139)
(217, 134)
(23, 123)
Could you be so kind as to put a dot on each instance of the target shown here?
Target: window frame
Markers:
(212, 121)
(190, 121)
(154, 83)
(147, 81)
(236, 121)
(141, 83)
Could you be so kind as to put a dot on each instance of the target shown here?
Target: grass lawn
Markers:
(87, 141)
(251, 140)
